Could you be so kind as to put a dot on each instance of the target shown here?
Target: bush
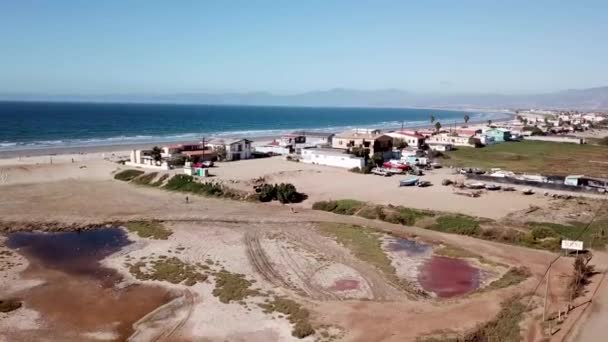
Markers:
(405, 216)
(342, 207)
(128, 175)
(284, 193)
(145, 179)
(541, 232)
(185, 183)
(458, 224)
(267, 193)
(581, 274)
(325, 205)
(348, 207)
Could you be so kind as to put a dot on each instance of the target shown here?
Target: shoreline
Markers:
(117, 147)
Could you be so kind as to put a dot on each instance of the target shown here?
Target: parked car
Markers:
(381, 172)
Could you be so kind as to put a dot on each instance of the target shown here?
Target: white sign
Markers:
(572, 245)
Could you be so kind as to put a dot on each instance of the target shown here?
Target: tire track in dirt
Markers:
(309, 287)
(380, 288)
(261, 262)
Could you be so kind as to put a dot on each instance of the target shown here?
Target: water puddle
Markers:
(410, 247)
(447, 277)
(78, 299)
(345, 285)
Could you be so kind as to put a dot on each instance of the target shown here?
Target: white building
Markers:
(411, 139)
(144, 158)
(236, 149)
(447, 138)
(331, 157)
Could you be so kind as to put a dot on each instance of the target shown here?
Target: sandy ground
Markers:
(275, 247)
(325, 183)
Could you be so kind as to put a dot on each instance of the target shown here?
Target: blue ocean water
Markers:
(26, 125)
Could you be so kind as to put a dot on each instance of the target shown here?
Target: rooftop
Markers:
(354, 135)
(330, 152)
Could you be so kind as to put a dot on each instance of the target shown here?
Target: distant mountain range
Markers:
(584, 99)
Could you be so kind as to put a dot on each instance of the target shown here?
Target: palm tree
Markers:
(466, 118)
(156, 153)
(432, 118)
(437, 126)
(489, 122)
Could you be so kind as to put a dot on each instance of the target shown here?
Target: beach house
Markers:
(364, 139)
(452, 139)
(331, 157)
(195, 151)
(499, 135)
(315, 138)
(412, 139)
(232, 149)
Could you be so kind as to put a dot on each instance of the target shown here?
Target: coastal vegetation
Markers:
(185, 183)
(296, 314)
(171, 269)
(145, 179)
(505, 327)
(539, 235)
(284, 193)
(128, 175)
(365, 244)
(149, 229)
(582, 271)
(232, 287)
(513, 276)
(534, 157)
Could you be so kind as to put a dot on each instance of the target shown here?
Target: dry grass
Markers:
(295, 313)
(149, 229)
(172, 270)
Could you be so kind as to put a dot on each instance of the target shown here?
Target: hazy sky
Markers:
(148, 46)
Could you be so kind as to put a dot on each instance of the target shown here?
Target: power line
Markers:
(559, 255)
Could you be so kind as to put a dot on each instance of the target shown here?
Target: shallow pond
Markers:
(78, 298)
(448, 277)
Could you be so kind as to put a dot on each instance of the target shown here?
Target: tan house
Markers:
(376, 142)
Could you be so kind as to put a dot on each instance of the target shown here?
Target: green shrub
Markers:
(128, 175)
(541, 232)
(458, 224)
(348, 207)
(267, 193)
(371, 212)
(187, 183)
(149, 229)
(145, 179)
(325, 205)
(405, 216)
(295, 313)
(284, 193)
(160, 181)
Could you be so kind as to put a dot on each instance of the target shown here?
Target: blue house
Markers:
(499, 134)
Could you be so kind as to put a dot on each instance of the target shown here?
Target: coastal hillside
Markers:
(584, 99)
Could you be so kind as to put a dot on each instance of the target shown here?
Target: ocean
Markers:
(31, 125)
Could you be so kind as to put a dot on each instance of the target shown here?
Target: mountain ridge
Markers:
(585, 99)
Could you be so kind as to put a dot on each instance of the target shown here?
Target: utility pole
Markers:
(546, 293)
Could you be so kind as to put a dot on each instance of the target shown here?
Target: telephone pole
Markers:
(546, 293)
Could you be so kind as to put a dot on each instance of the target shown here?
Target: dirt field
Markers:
(351, 295)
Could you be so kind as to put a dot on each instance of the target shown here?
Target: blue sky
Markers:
(147, 46)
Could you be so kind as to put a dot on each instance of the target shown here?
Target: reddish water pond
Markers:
(79, 296)
(447, 277)
(345, 285)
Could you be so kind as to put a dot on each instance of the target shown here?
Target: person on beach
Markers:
(187, 200)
